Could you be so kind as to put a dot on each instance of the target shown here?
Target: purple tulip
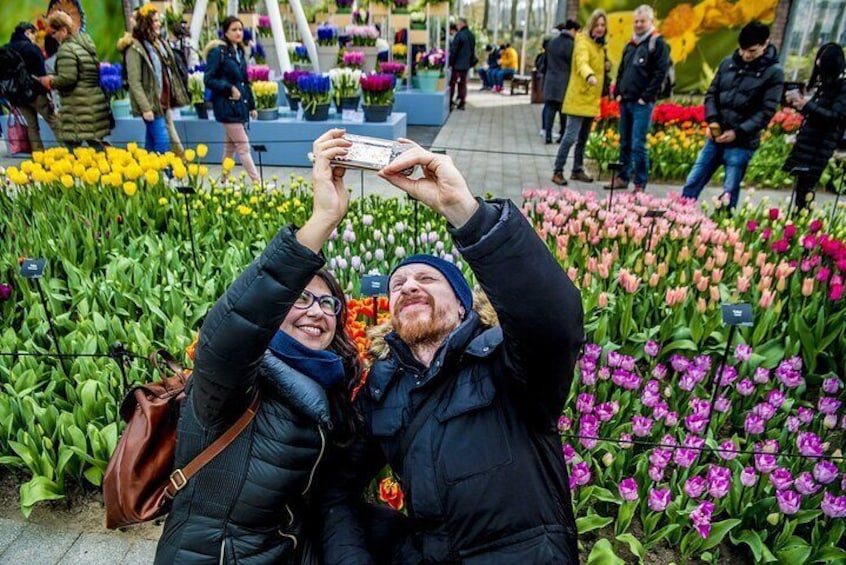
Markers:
(593, 351)
(748, 477)
(775, 398)
(626, 440)
(745, 387)
(687, 382)
(661, 457)
(651, 394)
(627, 363)
(700, 406)
(5, 291)
(805, 484)
(830, 421)
(728, 450)
(695, 423)
(642, 426)
(659, 499)
(805, 414)
(765, 462)
(832, 385)
(584, 403)
(588, 424)
(614, 359)
(659, 371)
(564, 424)
(671, 419)
(828, 405)
(809, 444)
(588, 378)
(651, 348)
(754, 424)
(569, 452)
(825, 472)
(660, 410)
(656, 474)
(781, 478)
(765, 410)
(604, 373)
(626, 379)
(701, 518)
(833, 506)
(606, 410)
(742, 352)
(762, 376)
(580, 475)
(793, 424)
(702, 363)
(789, 377)
(679, 363)
(728, 375)
(789, 501)
(722, 405)
(628, 489)
(695, 486)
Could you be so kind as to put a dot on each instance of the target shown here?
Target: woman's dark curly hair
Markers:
(143, 30)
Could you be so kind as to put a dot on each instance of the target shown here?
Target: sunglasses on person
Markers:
(329, 305)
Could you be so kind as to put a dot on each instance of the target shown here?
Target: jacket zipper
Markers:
(222, 550)
(319, 457)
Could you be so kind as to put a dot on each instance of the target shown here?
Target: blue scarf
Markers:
(324, 367)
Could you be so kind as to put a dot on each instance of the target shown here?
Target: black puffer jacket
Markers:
(247, 505)
(227, 67)
(825, 118)
(559, 55)
(642, 71)
(485, 479)
(745, 96)
(32, 57)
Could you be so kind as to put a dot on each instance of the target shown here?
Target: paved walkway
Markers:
(495, 143)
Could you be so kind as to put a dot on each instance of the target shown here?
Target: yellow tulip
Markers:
(254, 200)
(67, 181)
(132, 147)
(130, 188)
(202, 150)
(26, 166)
(244, 210)
(193, 169)
(162, 200)
(180, 172)
(92, 176)
(203, 170)
(190, 154)
(228, 164)
(151, 176)
(104, 167)
(133, 171)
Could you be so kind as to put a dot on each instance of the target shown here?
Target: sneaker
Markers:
(580, 175)
(618, 184)
(548, 141)
(461, 107)
(558, 178)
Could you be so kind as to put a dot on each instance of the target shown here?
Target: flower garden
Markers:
(678, 133)
(672, 455)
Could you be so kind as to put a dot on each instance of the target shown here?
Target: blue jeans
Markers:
(735, 160)
(485, 76)
(499, 76)
(158, 140)
(634, 124)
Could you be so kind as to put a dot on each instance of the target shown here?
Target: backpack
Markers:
(140, 481)
(669, 82)
(16, 84)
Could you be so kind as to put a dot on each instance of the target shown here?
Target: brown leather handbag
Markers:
(140, 481)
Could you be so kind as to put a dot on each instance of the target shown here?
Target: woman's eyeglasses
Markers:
(329, 305)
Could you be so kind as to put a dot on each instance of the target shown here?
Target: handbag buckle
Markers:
(178, 480)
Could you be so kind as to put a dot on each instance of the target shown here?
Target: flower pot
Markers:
(428, 80)
(371, 54)
(377, 113)
(346, 103)
(187, 111)
(268, 114)
(121, 108)
(327, 57)
(319, 114)
(202, 111)
(293, 103)
(418, 25)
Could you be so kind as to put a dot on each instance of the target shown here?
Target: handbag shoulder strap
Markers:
(180, 477)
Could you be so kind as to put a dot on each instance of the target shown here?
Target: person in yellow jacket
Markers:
(581, 102)
(507, 67)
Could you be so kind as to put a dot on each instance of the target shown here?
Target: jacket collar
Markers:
(296, 389)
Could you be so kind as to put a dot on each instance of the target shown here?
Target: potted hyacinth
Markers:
(353, 59)
(345, 84)
(327, 47)
(363, 39)
(197, 90)
(400, 6)
(266, 93)
(292, 90)
(393, 68)
(299, 57)
(111, 80)
(344, 6)
(378, 92)
(314, 96)
(418, 20)
(429, 68)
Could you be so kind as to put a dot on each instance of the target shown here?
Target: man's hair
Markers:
(489, 47)
(463, 20)
(753, 33)
(453, 27)
(60, 20)
(646, 10)
(23, 27)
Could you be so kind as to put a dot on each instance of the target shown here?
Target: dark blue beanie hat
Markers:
(452, 274)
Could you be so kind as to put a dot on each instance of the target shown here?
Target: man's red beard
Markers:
(424, 328)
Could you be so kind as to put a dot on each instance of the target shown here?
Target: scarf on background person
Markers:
(637, 39)
(323, 367)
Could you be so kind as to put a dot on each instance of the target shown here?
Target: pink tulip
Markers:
(628, 489)
(807, 287)
(602, 301)
(767, 298)
(748, 477)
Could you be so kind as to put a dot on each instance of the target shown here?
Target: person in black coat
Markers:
(462, 57)
(465, 413)
(278, 332)
(824, 115)
(23, 43)
(232, 96)
(740, 102)
(559, 55)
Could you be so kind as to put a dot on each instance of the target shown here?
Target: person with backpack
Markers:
(278, 332)
(84, 114)
(559, 55)
(152, 77)
(581, 101)
(740, 102)
(232, 97)
(29, 96)
(824, 113)
(643, 67)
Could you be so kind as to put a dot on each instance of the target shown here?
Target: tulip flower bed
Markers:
(654, 468)
(677, 135)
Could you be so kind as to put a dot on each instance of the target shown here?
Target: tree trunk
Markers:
(127, 14)
(513, 20)
(485, 16)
